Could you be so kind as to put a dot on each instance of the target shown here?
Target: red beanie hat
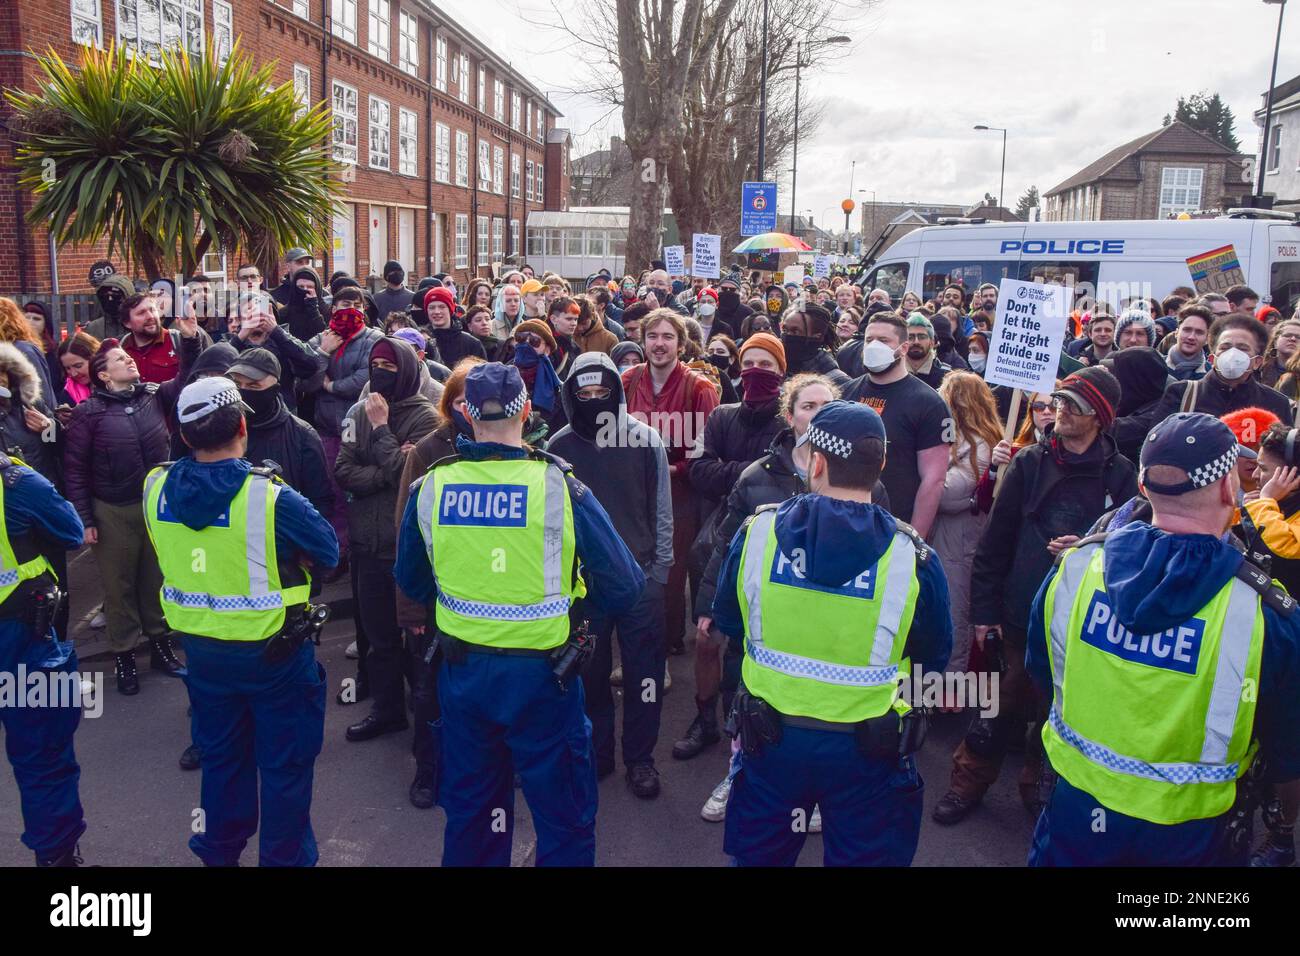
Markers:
(440, 294)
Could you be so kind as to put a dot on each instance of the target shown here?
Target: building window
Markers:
(541, 125)
(596, 243)
(515, 100)
(440, 77)
(528, 181)
(301, 89)
(482, 239)
(1180, 190)
(223, 29)
(87, 24)
(1275, 149)
(344, 19)
(540, 191)
(514, 237)
(484, 166)
(499, 100)
(498, 170)
(408, 46)
(482, 89)
(300, 9)
(462, 158)
(442, 155)
(462, 86)
(498, 239)
(528, 109)
(345, 123)
(379, 130)
(514, 175)
(149, 26)
(535, 246)
(462, 240)
(408, 143)
(573, 242)
(377, 29)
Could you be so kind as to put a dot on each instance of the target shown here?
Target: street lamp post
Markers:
(1268, 101)
(1002, 183)
(762, 101)
(798, 65)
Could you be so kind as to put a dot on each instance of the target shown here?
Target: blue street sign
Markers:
(757, 208)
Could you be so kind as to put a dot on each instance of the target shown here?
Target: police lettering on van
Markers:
(1064, 247)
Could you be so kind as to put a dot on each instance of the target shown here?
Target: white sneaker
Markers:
(99, 621)
(815, 821)
(352, 653)
(616, 676)
(715, 808)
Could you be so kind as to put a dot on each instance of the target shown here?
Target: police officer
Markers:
(495, 535)
(232, 541)
(1167, 659)
(834, 599)
(38, 740)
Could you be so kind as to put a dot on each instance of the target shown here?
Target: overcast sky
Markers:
(1068, 80)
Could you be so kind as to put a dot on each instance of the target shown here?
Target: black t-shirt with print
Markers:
(916, 418)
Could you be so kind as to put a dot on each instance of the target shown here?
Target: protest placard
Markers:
(1025, 345)
(675, 260)
(793, 274)
(1216, 270)
(822, 267)
(706, 255)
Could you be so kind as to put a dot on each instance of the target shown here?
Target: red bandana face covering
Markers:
(760, 385)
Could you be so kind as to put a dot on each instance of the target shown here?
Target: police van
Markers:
(1113, 260)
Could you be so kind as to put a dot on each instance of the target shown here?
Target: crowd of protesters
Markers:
(684, 405)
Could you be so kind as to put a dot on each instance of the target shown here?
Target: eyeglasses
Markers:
(1062, 404)
(530, 338)
(593, 394)
(1039, 406)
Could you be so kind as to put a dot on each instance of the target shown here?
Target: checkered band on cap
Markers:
(209, 404)
(825, 441)
(515, 406)
(1209, 474)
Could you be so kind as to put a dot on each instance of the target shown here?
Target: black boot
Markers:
(702, 733)
(424, 788)
(163, 658)
(128, 682)
(192, 759)
(69, 857)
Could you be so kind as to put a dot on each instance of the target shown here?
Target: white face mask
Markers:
(878, 357)
(707, 308)
(1232, 364)
(977, 361)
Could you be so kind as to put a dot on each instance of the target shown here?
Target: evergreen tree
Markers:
(1210, 115)
(1027, 202)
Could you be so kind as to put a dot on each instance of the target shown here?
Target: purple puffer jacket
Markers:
(113, 440)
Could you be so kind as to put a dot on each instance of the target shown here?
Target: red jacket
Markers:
(678, 412)
(159, 361)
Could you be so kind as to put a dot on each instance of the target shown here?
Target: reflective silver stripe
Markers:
(8, 578)
(1103, 756)
(1234, 654)
(255, 536)
(755, 549)
(152, 479)
(1069, 578)
(796, 665)
(552, 607)
(425, 503)
(553, 534)
(897, 585)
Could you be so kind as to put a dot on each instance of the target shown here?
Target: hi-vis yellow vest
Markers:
(12, 571)
(499, 534)
(1155, 726)
(222, 581)
(831, 653)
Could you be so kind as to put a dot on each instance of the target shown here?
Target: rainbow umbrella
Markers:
(773, 242)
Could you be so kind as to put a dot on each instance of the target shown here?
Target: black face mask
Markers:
(383, 382)
(728, 300)
(461, 423)
(263, 401)
(722, 362)
(589, 418)
(799, 350)
(110, 299)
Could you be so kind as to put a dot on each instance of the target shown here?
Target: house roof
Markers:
(1121, 163)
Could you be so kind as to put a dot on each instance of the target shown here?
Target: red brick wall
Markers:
(272, 32)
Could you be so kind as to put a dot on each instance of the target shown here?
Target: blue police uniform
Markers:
(252, 717)
(870, 806)
(38, 740)
(502, 710)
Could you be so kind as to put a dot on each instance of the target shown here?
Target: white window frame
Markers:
(498, 238)
(342, 115)
(499, 100)
(462, 240)
(498, 170)
(528, 182)
(1274, 152)
(529, 108)
(379, 28)
(515, 112)
(514, 237)
(380, 121)
(482, 236)
(302, 89)
(223, 30)
(442, 153)
(541, 125)
(408, 43)
(191, 28)
(302, 8)
(482, 89)
(484, 165)
(540, 192)
(408, 143)
(1182, 197)
(94, 24)
(514, 175)
(462, 85)
(343, 20)
(462, 158)
(440, 73)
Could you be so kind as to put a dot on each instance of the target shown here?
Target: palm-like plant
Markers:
(165, 160)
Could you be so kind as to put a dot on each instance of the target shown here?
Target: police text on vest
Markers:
(1175, 649)
(492, 506)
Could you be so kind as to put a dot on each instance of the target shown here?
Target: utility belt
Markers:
(307, 625)
(1235, 836)
(566, 660)
(35, 602)
(886, 737)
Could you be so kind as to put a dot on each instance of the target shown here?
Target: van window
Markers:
(971, 275)
(892, 277)
(1065, 273)
(1284, 285)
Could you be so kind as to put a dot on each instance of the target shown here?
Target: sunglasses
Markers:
(530, 338)
(1039, 406)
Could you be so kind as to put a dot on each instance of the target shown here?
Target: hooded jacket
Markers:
(287, 440)
(1047, 493)
(1154, 581)
(1142, 376)
(348, 370)
(370, 465)
(840, 540)
(305, 317)
(35, 449)
(595, 339)
(110, 326)
(623, 461)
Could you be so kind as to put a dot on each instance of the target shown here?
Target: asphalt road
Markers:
(139, 803)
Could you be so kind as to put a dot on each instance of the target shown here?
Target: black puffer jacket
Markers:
(1047, 493)
(770, 480)
(113, 440)
(294, 445)
(734, 437)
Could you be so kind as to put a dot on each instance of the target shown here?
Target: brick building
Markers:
(1173, 170)
(446, 147)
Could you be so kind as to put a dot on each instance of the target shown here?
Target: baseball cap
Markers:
(1194, 442)
(256, 364)
(296, 253)
(202, 397)
(532, 285)
(494, 383)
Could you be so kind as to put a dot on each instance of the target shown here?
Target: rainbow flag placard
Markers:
(1216, 270)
